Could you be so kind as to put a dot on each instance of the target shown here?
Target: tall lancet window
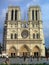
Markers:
(33, 36)
(32, 14)
(11, 36)
(37, 36)
(15, 14)
(36, 15)
(15, 36)
(12, 13)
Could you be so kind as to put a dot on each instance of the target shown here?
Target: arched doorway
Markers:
(12, 52)
(36, 51)
(24, 51)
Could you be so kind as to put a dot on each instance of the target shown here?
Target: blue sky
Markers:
(24, 5)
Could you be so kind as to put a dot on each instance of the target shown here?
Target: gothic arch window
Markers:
(32, 14)
(37, 36)
(11, 36)
(16, 14)
(12, 13)
(15, 36)
(33, 35)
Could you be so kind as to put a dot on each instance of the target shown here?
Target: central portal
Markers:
(24, 51)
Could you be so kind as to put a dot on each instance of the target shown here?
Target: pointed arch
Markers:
(12, 51)
(13, 48)
(36, 51)
(36, 48)
(24, 50)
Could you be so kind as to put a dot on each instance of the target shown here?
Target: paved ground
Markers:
(27, 60)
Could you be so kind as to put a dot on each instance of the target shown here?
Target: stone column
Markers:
(31, 53)
(40, 15)
(9, 14)
(19, 15)
(30, 15)
(30, 29)
(19, 30)
(18, 54)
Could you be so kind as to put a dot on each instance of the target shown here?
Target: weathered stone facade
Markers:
(24, 37)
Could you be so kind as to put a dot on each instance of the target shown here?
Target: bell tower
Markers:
(36, 26)
(14, 13)
(34, 13)
(11, 25)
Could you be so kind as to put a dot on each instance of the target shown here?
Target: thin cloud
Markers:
(33, 2)
(4, 12)
(14, 0)
(2, 16)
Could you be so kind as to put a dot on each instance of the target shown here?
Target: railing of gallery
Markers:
(26, 41)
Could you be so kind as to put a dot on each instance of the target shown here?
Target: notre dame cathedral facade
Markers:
(23, 37)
